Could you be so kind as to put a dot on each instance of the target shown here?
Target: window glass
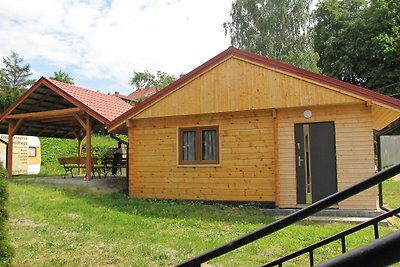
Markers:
(189, 145)
(209, 145)
(32, 151)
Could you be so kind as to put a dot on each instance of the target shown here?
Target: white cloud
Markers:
(111, 39)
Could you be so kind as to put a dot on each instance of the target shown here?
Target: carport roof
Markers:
(55, 109)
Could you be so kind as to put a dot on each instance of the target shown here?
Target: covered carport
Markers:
(55, 109)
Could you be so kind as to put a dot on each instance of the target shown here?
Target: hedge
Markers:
(6, 251)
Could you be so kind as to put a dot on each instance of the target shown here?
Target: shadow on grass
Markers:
(155, 208)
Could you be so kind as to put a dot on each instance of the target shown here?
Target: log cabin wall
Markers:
(354, 151)
(245, 172)
(255, 108)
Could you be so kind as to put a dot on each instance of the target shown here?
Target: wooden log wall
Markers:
(245, 172)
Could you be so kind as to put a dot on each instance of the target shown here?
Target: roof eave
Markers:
(351, 89)
(43, 81)
(323, 80)
(21, 98)
(171, 87)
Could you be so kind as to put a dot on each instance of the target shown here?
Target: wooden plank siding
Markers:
(245, 172)
(354, 151)
(236, 85)
(256, 108)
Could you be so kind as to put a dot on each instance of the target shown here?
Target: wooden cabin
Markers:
(242, 127)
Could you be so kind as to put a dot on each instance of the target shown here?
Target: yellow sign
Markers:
(3, 150)
(20, 153)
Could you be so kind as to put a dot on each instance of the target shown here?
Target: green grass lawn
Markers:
(391, 193)
(53, 226)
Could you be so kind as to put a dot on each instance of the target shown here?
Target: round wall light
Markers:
(307, 114)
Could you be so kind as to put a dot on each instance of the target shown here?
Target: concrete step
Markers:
(327, 213)
(330, 215)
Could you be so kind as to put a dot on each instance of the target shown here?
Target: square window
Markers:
(32, 152)
(199, 145)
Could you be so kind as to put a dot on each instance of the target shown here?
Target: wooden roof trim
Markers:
(331, 83)
(185, 79)
(21, 99)
(44, 114)
(174, 88)
(368, 100)
(320, 79)
(43, 81)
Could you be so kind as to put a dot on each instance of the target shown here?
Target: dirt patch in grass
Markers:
(111, 185)
(23, 222)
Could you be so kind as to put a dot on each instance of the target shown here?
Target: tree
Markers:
(279, 29)
(14, 75)
(9, 96)
(336, 39)
(146, 79)
(359, 42)
(382, 31)
(62, 76)
(142, 79)
(163, 79)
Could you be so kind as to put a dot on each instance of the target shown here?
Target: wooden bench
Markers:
(106, 165)
(71, 163)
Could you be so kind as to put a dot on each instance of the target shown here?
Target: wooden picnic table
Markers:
(70, 163)
(106, 166)
(100, 166)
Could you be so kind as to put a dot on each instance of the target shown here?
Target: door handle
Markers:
(299, 161)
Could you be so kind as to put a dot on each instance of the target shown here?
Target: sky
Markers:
(100, 43)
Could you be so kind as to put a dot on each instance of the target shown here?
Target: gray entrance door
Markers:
(315, 161)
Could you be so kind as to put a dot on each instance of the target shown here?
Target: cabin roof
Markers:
(142, 93)
(339, 86)
(68, 101)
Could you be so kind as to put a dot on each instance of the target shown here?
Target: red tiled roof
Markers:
(142, 93)
(107, 106)
(52, 96)
(267, 62)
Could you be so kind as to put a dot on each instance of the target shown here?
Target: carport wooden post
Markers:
(87, 126)
(12, 128)
(10, 148)
(79, 152)
(88, 148)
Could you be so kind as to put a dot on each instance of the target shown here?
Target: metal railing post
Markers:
(294, 217)
(370, 254)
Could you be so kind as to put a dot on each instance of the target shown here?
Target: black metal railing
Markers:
(293, 218)
(381, 252)
(340, 236)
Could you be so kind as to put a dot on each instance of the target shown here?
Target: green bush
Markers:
(6, 251)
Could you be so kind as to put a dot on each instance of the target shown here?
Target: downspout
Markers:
(394, 126)
(379, 168)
